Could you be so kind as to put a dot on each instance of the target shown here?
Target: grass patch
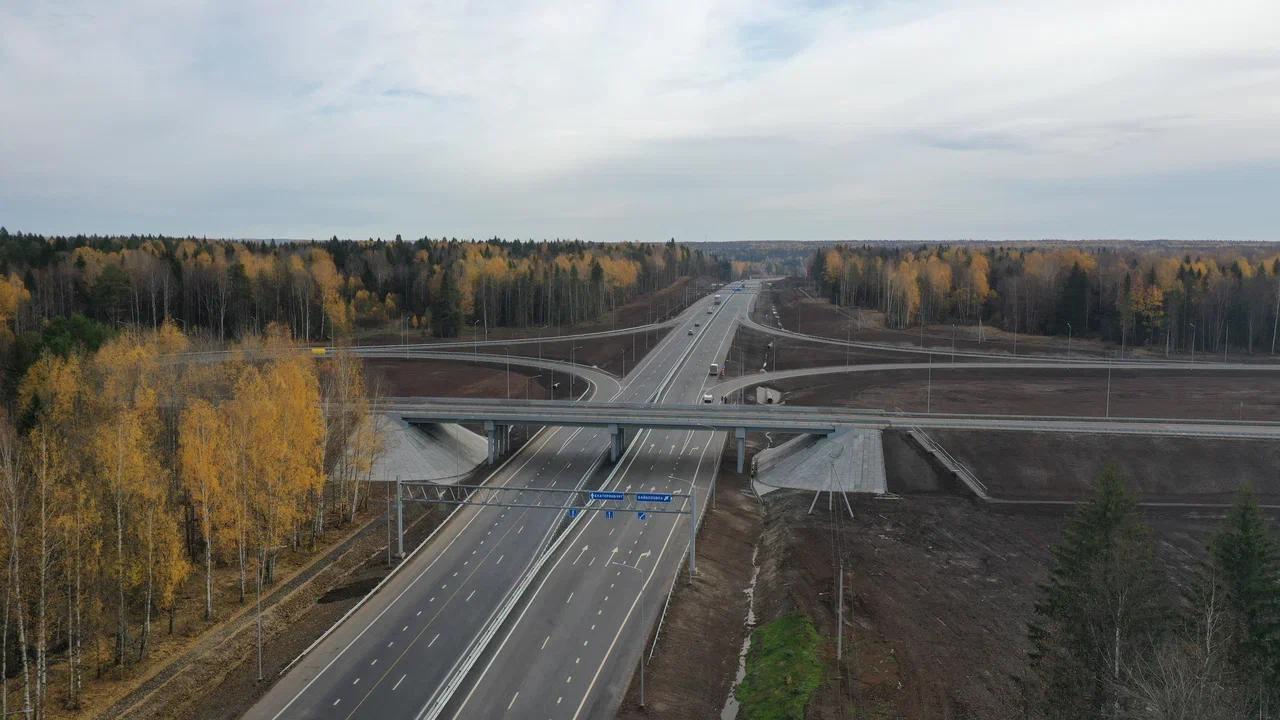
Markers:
(783, 670)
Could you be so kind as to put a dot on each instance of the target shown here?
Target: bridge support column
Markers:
(491, 432)
(617, 437)
(740, 439)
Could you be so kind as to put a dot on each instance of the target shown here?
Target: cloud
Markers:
(723, 120)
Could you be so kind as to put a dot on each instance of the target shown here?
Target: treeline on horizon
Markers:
(324, 290)
(1224, 295)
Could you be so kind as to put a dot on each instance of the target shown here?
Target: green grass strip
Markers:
(783, 670)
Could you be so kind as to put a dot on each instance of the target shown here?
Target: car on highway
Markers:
(706, 398)
(697, 323)
(709, 311)
(690, 331)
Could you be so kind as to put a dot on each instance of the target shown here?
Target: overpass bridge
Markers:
(497, 416)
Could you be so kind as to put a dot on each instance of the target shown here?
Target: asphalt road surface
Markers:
(401, 653)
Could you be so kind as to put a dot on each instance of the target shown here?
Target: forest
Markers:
(325, 290)
(1160, 296)
(129, 471)
(135, 473)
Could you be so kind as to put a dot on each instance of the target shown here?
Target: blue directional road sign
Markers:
(608, 514)
(573, 512)
(602, 495)
(653, 497)
(642, 514)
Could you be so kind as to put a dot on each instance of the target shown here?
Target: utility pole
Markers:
(399, 522)
(840, 617)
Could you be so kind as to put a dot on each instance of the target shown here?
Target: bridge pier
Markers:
(617, 437)
(740, 439)
(491, 434)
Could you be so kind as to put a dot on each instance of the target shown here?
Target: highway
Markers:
(403, 650)
(570, 650)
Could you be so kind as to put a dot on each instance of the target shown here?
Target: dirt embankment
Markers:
(697, 647)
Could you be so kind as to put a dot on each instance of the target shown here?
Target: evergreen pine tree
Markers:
(1105, 601)
(1247, 565)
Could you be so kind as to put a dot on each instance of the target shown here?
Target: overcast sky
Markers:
(643, 119)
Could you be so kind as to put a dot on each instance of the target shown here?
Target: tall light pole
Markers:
(1108, 386)
(1068, 341)
(953, 343)
(928, 397)
(527, 382)
(1193, 342)
(475, 339)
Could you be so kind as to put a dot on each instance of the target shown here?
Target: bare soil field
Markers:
(939, 588)
(395, 377)
(1160, 469)
(938, 595)
(616, 354)
(752, 350)
(1074, 392)
(799, 310)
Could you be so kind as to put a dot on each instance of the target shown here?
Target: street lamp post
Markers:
(1108, 386)
(953, 343)
(475, 339)
(1068, 341)
(527, 382)
(928, 397)
(1193, 342)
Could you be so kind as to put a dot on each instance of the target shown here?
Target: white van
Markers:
(715, 369)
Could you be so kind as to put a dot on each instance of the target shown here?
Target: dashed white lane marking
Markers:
(473, 594)
(406, 627)
(513, 700)
(499, 559)
(545, 640)
(568, 680)
(568, 599)
(559, 699)
(373, 662)
(433, 640)
(520, 530)
(356, 681)
(391, 644)
(335, 702)
(584, 643)
(593, 626)
(577, 660)
(592, 562)
(402, 677)
(417, 613)
(431, 600)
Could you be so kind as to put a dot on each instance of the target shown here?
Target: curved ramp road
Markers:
(748, 381)
(401, 651)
